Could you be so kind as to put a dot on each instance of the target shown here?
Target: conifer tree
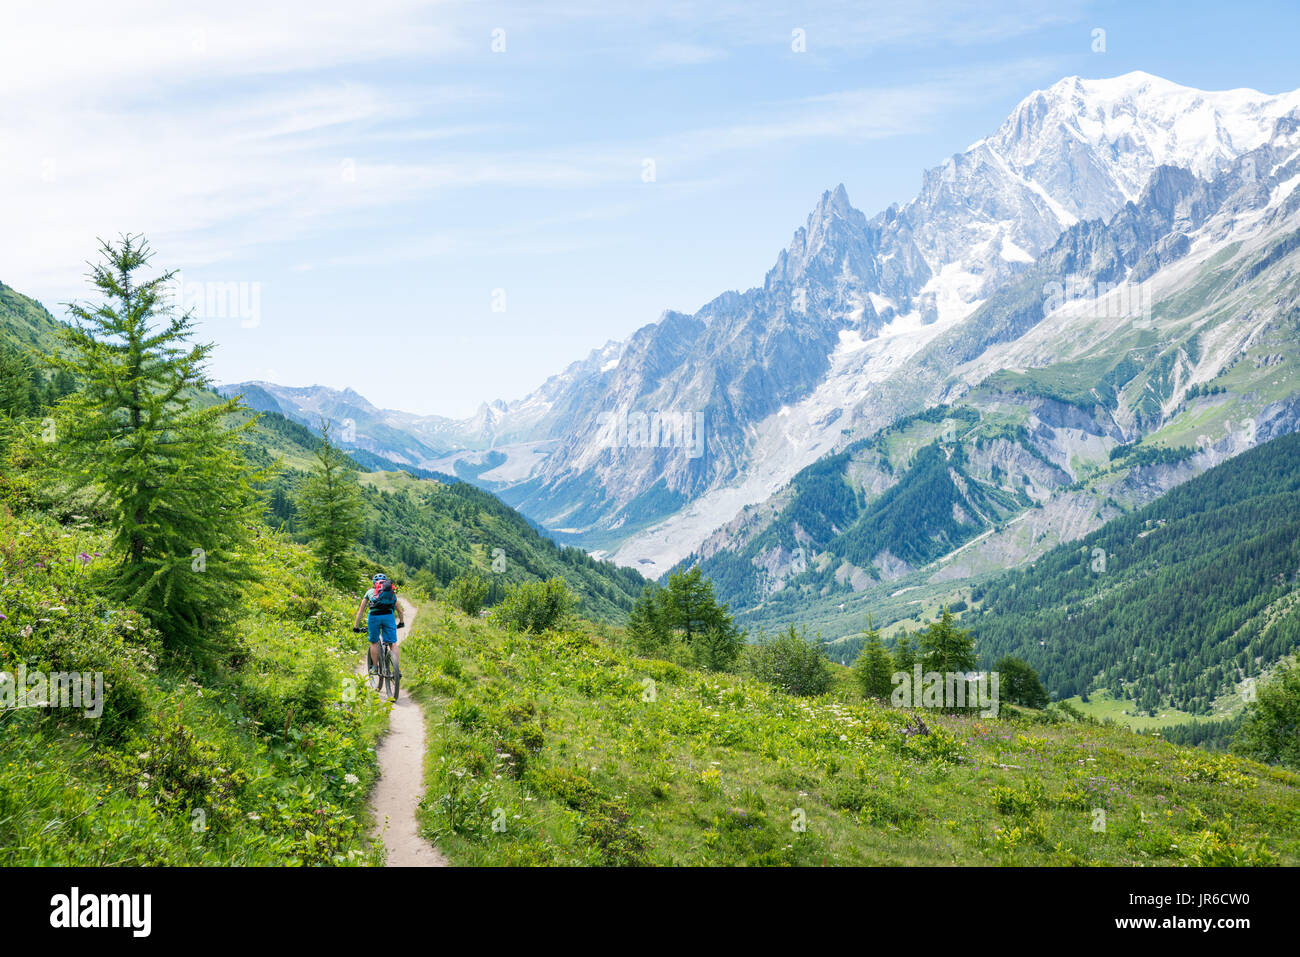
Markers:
(874, 669)
(647, 630)
(162, 455)
(17, 383)
(332, 511)
(705, 627)
(947, 648)
(904, 653)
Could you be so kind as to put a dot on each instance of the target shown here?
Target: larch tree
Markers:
(874, 667)
(947, 648)
(332, 511)
(159, 452)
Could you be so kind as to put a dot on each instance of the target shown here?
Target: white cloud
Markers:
(217, 128)
(93, 51)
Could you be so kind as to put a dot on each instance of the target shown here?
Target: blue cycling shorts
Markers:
(384, 626)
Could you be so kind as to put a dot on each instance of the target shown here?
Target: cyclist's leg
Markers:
(389, 630)
(376, 630)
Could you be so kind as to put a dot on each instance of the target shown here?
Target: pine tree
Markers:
(946, 648)
(162, 454)
(904, 653)
(647, 630)
(705, 627)
(17, 383)
(718, 647)
(874, 669)
(690, 603)
(332, 511)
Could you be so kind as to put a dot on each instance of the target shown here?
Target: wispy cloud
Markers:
(275, 134)
(278, 137)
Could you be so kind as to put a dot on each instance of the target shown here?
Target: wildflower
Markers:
(351, 778)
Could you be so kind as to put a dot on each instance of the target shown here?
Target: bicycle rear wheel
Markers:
(389, 672)
(395, 677)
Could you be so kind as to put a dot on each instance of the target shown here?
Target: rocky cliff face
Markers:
(645, 447)
(1068, 158)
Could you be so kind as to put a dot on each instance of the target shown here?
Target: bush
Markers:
(179, 769)
(872, 804)
(467, 593)
(790, 662)
(535, 606)
(465, 713)
(609, 830)
(1020, 683)
(570, 786)
(1270, 731)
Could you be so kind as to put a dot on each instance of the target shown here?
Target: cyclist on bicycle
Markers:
(385, 617)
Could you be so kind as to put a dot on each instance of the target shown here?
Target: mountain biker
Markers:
(385, 616)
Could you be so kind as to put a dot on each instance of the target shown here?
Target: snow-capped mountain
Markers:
(1046, 415)
(775, 370)
(646, 447)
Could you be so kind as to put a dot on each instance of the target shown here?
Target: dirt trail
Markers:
(397, 793)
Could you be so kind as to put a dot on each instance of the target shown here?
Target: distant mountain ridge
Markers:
(860, 320)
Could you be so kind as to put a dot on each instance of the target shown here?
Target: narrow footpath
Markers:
(397, 793)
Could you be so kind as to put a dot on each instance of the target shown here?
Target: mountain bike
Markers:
(384, 675)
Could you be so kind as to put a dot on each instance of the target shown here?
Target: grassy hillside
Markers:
(1174, 604)
(265, 759)
(27, 334)
(582, 754)
(25, 324)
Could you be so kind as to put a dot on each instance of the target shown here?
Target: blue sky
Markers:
(375, 177)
